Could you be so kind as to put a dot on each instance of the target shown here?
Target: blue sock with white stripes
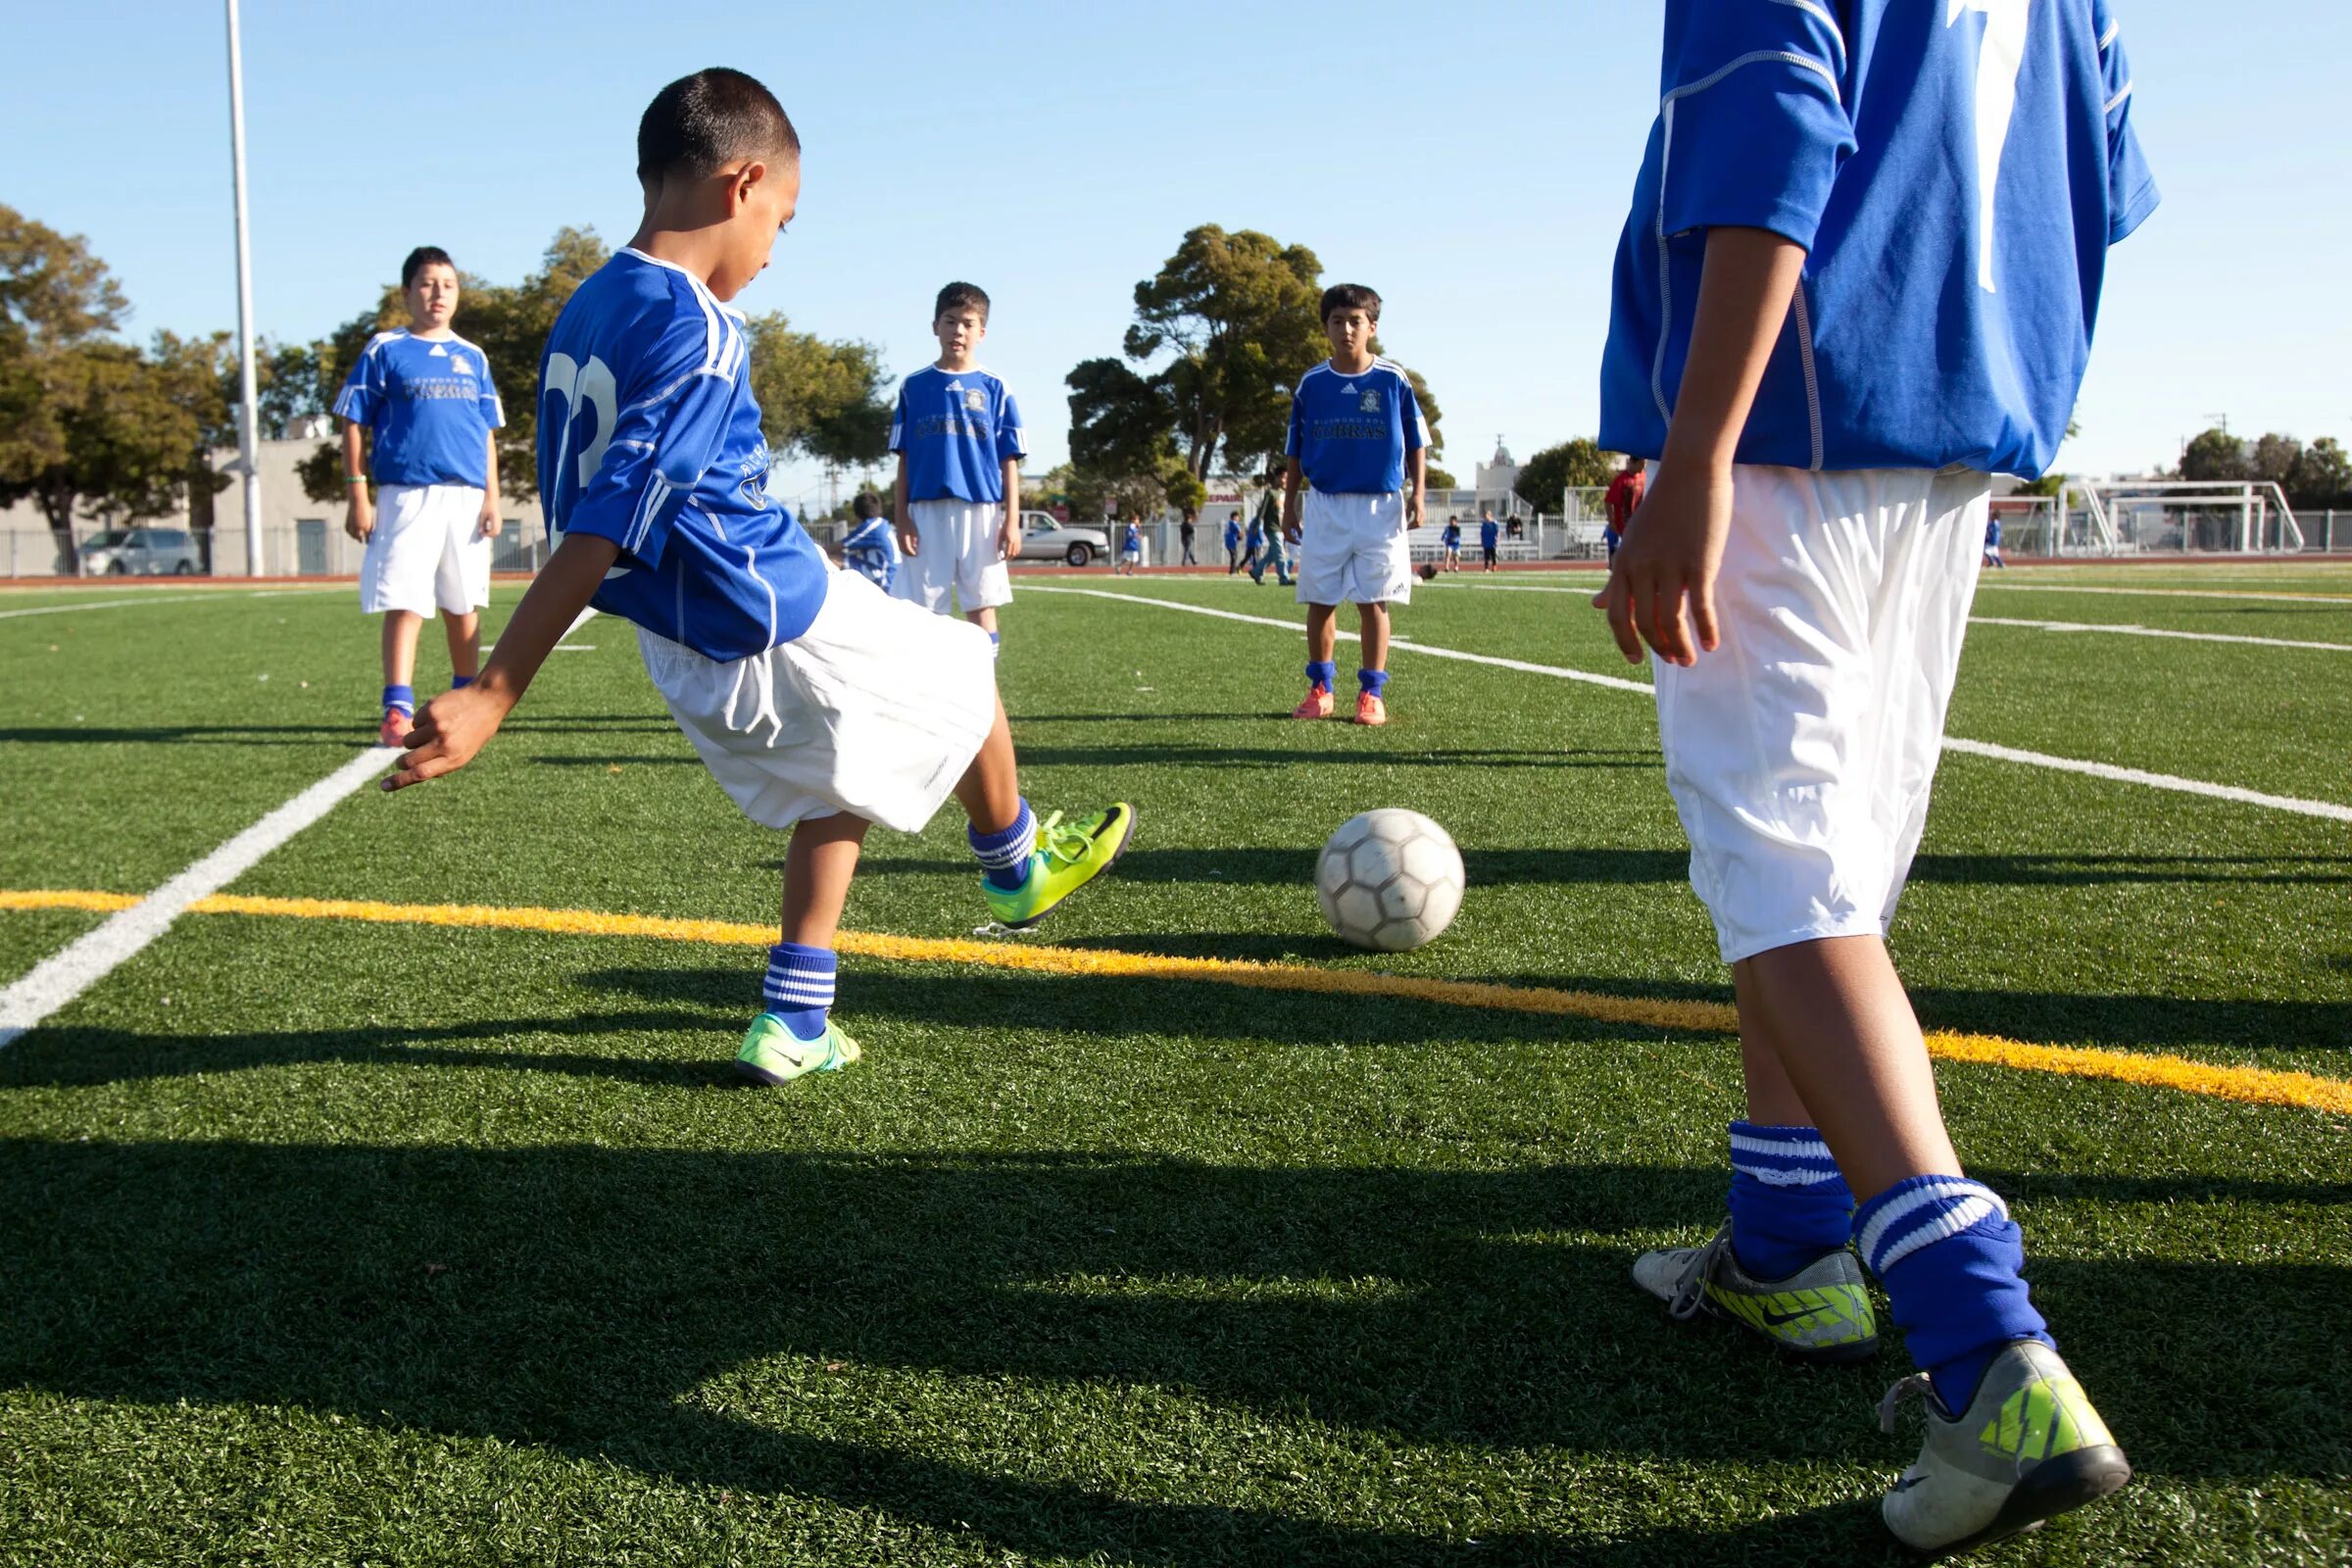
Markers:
(1788, 1204)
(799, 988)
(401, 699)
(1321, 672)
(1005, 857)
(1948, 1253)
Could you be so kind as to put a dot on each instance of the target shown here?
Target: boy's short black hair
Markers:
(955, 295)
(866, 505)
(422, 257)
(699, 124)
(1350, 297)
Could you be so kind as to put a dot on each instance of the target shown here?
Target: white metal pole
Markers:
(249, 412)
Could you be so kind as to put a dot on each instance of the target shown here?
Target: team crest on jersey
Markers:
(456, 362)
(975, 400)
(1371, 401)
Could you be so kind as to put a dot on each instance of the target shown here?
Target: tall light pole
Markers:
(248, 412)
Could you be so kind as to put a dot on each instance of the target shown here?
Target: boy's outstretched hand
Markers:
(1673, 549)
(449, 730)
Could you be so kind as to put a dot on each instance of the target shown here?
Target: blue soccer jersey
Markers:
(1351, 434)
(430, 404)
(957, 429)
(648, 436)
(1453, 536)
(871, 548)
(1955, 170)
(1488, 530)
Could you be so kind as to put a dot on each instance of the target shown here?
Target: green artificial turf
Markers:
(327, 1242)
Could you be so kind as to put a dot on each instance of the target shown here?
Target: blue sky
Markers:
(1470, 161)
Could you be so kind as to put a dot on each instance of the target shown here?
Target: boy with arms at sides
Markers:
(1489, 535)
(1865, 254)
(819, 702)
(959, 437)
(1357, 437)
(425, 394)
(1233, 543)
(872, 546)
(1131, 546)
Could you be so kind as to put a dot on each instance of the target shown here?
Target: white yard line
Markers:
(160, 596)
(1986, 584)
(2008, 754)
(577, 621)
(2157, 631)
(90, 958)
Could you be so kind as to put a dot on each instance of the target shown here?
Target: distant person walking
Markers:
(1184, 535)
(1624, 498)
(1233, 543)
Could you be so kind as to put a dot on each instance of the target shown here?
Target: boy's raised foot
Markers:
(773, 1055)
(1069, 855)
(2030, 1447)
(395, 729)
(1370, 710)
(1820, 1313)
(1318, 704)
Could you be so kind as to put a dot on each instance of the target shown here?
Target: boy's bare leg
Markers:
(990, 788)
(985, 619)
(400, 629)
(1372, 620)
(817, 869)
(1851, 1053)
(1772, 1100)
(1322, 635)
(464, 634)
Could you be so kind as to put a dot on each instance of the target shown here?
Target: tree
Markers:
(1575, 465)
(818, 397)
(2322, 476)
(1120, 423)
(1439, 479)
(2213, 453)
(2274, 458)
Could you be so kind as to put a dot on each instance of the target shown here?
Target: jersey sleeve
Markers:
(2131, 188)
(898, 421)
(1751, 116)
(362, 390)
(1408, 412)
(494, 413)
(664, 437)
(1012, 442)
(1294, 443)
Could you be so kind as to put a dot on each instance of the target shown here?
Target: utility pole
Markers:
(248, 410)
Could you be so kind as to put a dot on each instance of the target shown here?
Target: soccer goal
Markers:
(2172, 517)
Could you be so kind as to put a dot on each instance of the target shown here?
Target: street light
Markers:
(249, 413)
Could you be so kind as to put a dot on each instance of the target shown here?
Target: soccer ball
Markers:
(1390, 880)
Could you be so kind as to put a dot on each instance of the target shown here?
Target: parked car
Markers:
(142, 553)
(1044, 537)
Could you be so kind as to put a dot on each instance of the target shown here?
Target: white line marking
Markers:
(2008, 754)
(161, 596)
(90, 958)
(2155, 631)
(2155, 781)
(577, 621)
(2341, 601)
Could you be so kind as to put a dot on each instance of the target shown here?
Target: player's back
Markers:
(649, 435)
(1956, 170)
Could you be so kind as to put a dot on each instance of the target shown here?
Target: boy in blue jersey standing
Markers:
(1992, 543)
(957, 434)
(425, 394)
(1490, 538)
(1357, 437)
(1233, 543)
(872, 546)
(1451, 540)
(1865, 249)
(1131, 546)
(820, 703)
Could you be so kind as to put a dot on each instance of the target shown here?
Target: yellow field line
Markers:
(2257, 1086)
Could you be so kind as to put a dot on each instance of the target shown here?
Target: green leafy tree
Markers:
(1575, 465)
(1120, 421)
(2274, 457)
(822, 398)
(2322, 476)
(1440, 479)
(2213, 453)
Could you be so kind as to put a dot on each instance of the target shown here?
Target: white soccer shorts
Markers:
(1353, 551)
(1800, 751)
(428, 549)
(958, 548)
(877, 710)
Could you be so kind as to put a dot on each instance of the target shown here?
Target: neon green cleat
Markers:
(1820, 1313)
(1069, 856)
(2028, 1446)
(773, 1055)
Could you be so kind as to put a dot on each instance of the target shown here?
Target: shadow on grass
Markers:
(579, 1297)
(1165, 755)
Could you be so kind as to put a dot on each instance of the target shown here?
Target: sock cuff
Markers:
(1783, 1157)
(1372, 680)
(1002, 851)
(799, 978)
(1920, 1212)
(457, 683)
(402, 698)
(1322, 673)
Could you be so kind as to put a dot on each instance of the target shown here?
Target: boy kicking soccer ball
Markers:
(1357, 437)
(957, 434)
(1862, 284)
(820, 703)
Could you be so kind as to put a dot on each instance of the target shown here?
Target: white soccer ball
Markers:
(1390, 880)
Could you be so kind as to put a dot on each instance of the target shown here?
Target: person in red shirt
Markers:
(1625, 494)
